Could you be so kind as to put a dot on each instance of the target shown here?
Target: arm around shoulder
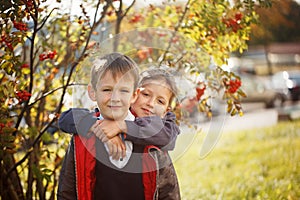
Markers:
(153, 130)
(77, 121)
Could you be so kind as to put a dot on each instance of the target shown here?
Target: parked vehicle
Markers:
(261, 89)
(289, 80)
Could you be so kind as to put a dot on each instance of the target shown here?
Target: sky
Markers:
(139, 3)
(66, 5)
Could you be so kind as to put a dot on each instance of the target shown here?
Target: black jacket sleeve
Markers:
(153, 130)
(67, 178)
(77, 121)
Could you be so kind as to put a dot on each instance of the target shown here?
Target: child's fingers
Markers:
(120, 153)
(123, 153)
(116, 154)
(110, 148)
(117, 148)
(122, 150)
(103, 138)
(98, 134)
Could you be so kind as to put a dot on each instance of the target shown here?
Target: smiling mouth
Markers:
(114, 107)
(147, 111)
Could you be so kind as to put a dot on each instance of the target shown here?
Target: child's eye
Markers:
(145, 94)
(106, 90)
(125, 91)
(162, 102)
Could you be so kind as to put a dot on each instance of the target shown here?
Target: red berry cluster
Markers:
(161, 33)
(49, 54)
(6, 124)
(234, 23)
(144, 53)
(110, 13)
(136, 18)
(7, 41)
(25, 65)
(23, 95)
(234, 85)
(29, 4)
(200, 91)
(2, 125)
(20, 26)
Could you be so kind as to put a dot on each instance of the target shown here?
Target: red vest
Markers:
(85, 161)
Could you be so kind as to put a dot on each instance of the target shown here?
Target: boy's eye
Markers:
(106, 90)
(125, 91)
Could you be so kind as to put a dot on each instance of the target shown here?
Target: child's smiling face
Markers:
(114, 95)
(153, 99)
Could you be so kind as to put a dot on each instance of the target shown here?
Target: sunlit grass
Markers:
(254, 164)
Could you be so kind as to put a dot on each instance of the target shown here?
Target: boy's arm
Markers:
(77, 120)
(153, 130)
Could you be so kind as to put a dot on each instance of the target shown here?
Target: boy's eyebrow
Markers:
(115, 86)
(124, 86)
(106, 85)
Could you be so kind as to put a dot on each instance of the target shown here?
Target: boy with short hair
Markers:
(114, 79)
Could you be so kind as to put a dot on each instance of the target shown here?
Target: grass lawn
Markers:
(254, 164)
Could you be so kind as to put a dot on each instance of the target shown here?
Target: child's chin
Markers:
(117, 116)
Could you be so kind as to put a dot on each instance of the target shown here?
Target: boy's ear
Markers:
(135, 96)
(91, 92)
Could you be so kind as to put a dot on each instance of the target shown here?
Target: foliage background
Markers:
(42, 49)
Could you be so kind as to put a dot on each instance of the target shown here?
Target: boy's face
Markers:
(114, 95)
(153, 99)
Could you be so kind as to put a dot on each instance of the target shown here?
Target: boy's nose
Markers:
(115, 96)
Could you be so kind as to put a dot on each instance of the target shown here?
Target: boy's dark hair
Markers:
(115, 63)
(160, 74)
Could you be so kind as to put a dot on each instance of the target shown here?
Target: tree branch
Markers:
(186, 8)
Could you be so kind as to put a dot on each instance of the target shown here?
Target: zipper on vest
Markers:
(76, 181)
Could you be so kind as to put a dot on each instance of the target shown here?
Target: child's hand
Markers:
(98, 132)
(107, 129)
(116, 148)
(96, 129)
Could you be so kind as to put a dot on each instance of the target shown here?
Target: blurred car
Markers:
(261, 89)
(289, 80)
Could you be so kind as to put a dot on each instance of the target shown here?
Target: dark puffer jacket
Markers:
(77, 178)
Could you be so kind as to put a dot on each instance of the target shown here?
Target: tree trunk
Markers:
(10, 186)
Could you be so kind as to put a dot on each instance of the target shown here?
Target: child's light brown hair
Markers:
(160, 75)
(116, 63)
